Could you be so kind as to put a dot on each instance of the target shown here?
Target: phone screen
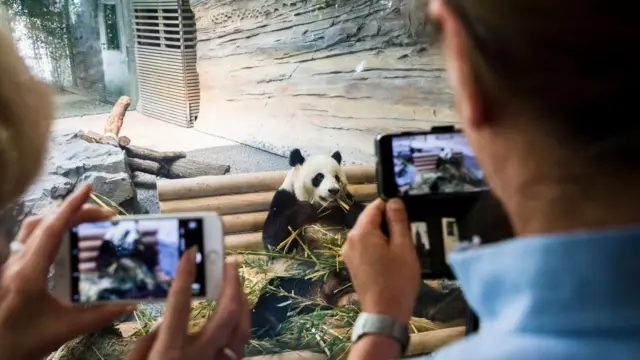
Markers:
(132, 259)
(435, 163)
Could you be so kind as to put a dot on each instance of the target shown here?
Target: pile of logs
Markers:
(164, 164)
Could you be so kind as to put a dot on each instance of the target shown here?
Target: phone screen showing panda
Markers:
(435, 163)
(131, 259)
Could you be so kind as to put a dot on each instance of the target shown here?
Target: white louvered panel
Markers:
(166, 60)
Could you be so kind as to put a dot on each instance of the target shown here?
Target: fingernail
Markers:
(395, 205)
(131, 308)
(192, 252)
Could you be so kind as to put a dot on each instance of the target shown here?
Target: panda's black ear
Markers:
(296, 158)
(337, 157)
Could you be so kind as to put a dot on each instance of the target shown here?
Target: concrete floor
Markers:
(158, 135)
(146, 132)
(70, 104)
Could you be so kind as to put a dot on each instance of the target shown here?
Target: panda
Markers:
(309, 195)
(312, 184)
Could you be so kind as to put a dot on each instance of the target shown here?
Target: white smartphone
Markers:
(134, 258)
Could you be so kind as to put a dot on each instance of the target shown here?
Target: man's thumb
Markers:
(398, 223)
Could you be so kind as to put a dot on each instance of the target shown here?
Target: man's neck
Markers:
(544, 207)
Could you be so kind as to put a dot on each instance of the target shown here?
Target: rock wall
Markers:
(71, 161)
(316, 74)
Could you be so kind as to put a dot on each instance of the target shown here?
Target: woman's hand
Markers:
(32, 321)
(385, 271)
(225, 334)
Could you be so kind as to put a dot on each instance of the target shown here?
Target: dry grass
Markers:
(323, 331)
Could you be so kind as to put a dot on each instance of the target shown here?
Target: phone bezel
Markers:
(429, 208)
(385, 176)
(213, 257)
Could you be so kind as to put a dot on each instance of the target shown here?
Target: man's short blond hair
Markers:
(26, 114)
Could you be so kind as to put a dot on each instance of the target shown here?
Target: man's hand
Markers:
(385, 271)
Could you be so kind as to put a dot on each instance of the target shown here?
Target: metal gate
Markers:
(165, 36)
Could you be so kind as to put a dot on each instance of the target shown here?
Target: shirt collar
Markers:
(582, 281)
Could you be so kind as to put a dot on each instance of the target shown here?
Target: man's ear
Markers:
(469, 100)
(337, 157)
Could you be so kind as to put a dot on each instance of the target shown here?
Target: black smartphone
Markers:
(436, 174)
(436, 162)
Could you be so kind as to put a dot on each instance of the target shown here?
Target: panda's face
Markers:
(318, 179)
(322, 179)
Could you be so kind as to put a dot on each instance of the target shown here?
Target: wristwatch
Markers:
(384, 325)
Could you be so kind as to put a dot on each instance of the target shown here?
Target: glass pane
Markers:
(111, 27)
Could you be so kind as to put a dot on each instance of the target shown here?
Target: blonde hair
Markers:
(26, 114)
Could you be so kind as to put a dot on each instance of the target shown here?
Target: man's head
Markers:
(545, 91)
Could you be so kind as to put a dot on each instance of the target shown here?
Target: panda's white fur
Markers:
(299, 180)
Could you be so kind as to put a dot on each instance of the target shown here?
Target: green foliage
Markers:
(48, 30)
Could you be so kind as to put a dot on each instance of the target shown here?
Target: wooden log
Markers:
(430, 341)
(189, 168)
(153, 155)
(245, 183)
(124, 141)
(116, 118)
(240, 223)
(248, 241)
(145, 166)
(245, 203)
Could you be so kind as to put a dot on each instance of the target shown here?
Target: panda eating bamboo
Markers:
(313, 203)
(313, 206)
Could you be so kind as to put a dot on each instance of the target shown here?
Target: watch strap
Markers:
(384, 325)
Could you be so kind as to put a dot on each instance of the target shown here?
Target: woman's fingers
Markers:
(87, 213)
(172, 333)
(47, 237)
(89, 319)
(143, 347)
(216, 333)
(242, 333)
(26, 229)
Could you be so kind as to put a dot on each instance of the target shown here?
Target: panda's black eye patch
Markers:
(317, 180)
(337, 179)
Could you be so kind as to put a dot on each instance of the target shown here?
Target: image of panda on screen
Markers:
(127, 260)
(435, 163)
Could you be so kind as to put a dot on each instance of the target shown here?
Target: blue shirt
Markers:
(562, 296)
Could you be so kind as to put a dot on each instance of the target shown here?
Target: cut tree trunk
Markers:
(116, 118)
(144, 166)
(189, 168)
(166, 164)
(153, 155)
